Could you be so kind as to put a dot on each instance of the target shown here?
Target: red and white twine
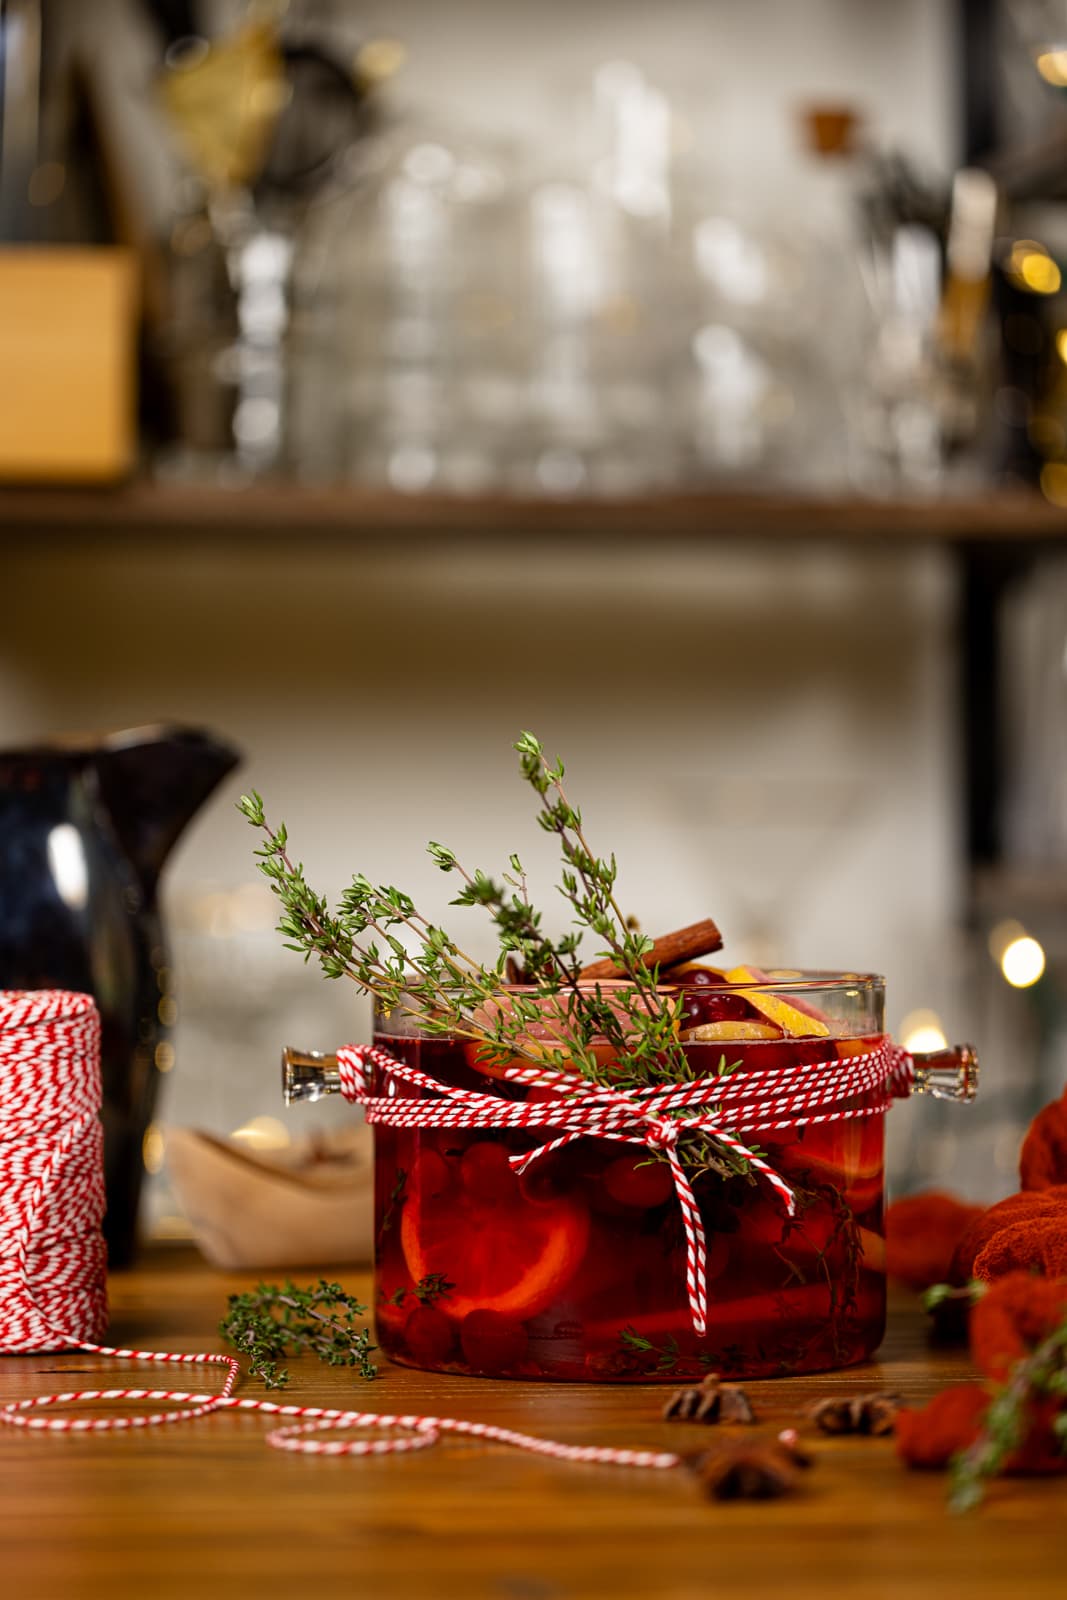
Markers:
(52, 1259)
(750, 1104)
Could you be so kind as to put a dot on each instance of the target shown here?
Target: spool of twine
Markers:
(53, 1261)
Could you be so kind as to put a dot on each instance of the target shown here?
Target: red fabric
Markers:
(1018, 1247)
(1025, 1247)
(930, 1437)
(1032, 1207)
(1012, 1318)
(1042, 1449)
(1043, 1157)
(1017, 1314)
(952, 1421)
(921, 1235)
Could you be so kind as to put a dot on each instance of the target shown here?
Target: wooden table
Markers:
(206, 1509)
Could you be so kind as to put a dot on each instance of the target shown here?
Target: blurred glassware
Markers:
(406, 320)
(749, 362)
(269, 123)
(897, 415)
(223, 99)
(962, 357)
(781, 324)
(603, 314)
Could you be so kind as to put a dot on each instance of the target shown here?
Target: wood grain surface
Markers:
(206, 1509)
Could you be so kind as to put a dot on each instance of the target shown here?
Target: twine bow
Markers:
(657, 1118)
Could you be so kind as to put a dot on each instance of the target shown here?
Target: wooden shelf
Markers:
(281, 509)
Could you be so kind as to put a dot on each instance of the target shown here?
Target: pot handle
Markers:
(308, 1075)
(948, 1074)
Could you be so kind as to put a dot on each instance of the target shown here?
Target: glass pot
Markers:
(575, 1268)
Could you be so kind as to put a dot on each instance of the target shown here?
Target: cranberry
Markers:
(765, 1223)
(431, 1177)
(429, 1336)
(694, 977)
(638, 1181)
(492, 1342)
(487, 1174)
(546, 1181)
(389, 1311)
(711, 1005)
(600, 1200)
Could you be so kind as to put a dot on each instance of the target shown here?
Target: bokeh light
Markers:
(1052, 65)
(1023, 962)
(1054, 482)
(1030, 266)
(262, 1133)
(1002, 935)
(152, 1148)
(922, 1031)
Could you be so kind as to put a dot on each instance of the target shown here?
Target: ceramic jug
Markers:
(85, 827)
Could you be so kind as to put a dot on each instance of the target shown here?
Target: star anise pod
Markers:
(856, 1413)
(758, 1471)
(709, 1401)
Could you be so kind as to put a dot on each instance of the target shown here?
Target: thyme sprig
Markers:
(269, 1323)
(432, 1286)
(1041, 1375)
(625, 1033)
(663, 1357)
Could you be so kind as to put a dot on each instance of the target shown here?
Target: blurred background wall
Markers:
(768, 731)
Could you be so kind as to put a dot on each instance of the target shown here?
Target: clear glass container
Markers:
(576, 1270)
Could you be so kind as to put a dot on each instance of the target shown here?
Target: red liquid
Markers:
(577, 1269)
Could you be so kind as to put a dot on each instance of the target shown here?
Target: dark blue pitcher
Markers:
(85, 827)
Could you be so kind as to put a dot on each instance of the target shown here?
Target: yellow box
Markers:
(68, 323)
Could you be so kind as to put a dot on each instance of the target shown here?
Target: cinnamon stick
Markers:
(669, 950)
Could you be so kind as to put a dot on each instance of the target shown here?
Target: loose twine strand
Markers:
(52, 1256)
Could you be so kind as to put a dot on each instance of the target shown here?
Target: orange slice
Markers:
(730, 1030)
(514, 1259)
(799, 1024)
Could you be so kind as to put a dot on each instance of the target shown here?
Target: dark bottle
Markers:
(85, 827)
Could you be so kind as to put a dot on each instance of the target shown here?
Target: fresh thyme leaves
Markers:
(269, 1323)
(1022, 1426)
(1036, 1380)
(395, 1201)
(665, 1357)
(621, 1033)
(379, 939)
(433, 1286)
(940, 1294)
